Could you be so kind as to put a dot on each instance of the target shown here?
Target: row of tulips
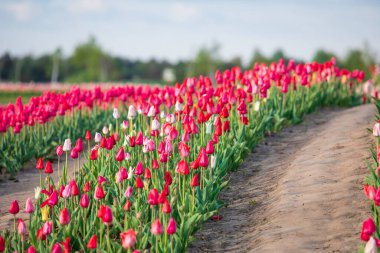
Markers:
(29, 130)
(152, 175)
(370, 229)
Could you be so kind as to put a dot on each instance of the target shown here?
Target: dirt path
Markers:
(23, 188)
(300, 191)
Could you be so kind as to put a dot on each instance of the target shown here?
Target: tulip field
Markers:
(155, 157)
(370, 232)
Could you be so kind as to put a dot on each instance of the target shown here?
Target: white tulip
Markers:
(67, 145)
(116, 113)
(98, 137)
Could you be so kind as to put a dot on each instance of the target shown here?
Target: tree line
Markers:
(89, 63)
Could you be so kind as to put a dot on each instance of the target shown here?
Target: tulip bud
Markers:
(131, 112)
(14, 207)
(21, 227)
(56, 248)
(155, 125)
(98, 137)
(67, 145)
(40, 164)
(124, 124)
(120, 155)
(151, 112)
(128, 192)
(92, 243)
(370, 247)
(37, 192)
(128, 239)
(156, 227)
(64, 217)
(172, 227)
(88, 136)
(29, 207)
(376, 130)
(59, 150)
(105, 130)
(2, 244)
(84, 201)
(99, 193)
(116, 113)
(47, 228)
(48, 168)
(153, 197)
(31, 249)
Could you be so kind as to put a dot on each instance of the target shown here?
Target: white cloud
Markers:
(85, 6)
(21, 11)
(183, 12)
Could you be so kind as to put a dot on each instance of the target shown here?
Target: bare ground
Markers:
(299, 191)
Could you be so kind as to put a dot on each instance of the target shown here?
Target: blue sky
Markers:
(176, 29)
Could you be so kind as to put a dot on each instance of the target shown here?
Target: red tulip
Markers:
(139, 138)
(66, 245)
(101, 180)
(88, 135)
(87, 187)
(14, 207)
(368, 229)
(93, 154)
(153, 197)
(52, 200)
(79, 145)
(156, 227)
(2, 244)
(184, 150)
(139, 183)
(84, 201)
(48, 168)
(127, 206)
(40, 164)
(105, 213)
(210, 148)
(203, 159)
(74, 153)
(128, 239)
(120, 155)
(172, 227)
(92, 243)
(56, 248)
(139, 170)
(166, 208)
(64, 217)
(155, 164)
(195, 181)
(369, 191)
(31, 249)
(99, 193)
(40, 234)
(147, 174)
(59, 150)
(182, 168)
(168, 178)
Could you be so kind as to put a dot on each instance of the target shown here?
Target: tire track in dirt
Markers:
(299, 191)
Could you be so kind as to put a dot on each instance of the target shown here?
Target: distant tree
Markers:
(323, 56)
(7, 65)
(206, 61)
(259, 57)
(88, 63)
(277, 55)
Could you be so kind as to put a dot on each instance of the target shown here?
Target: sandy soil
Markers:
(299, 191)
(23, 188)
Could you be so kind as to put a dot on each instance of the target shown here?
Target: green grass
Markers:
(11, 96)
